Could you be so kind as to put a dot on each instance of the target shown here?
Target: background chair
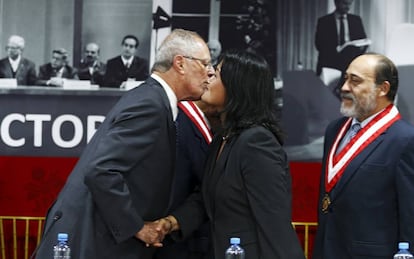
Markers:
(19, 236)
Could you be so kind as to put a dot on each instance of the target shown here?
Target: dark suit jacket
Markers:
(97, 75)
(122, 179)
(371, 206)
(46, 72)
(116, 72)
(191, 154)
(246, 193)
(326, 41)
(25, 74)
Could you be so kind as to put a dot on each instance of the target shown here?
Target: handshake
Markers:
(153, 233)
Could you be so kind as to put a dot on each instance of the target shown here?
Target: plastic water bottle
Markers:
(61, 250)
(234, 251)
(403, 252)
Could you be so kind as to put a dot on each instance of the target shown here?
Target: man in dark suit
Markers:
(90, 67)
(52, 73)
(125, 175)
(329, 35)
(126, 66)
(367, 183)
(194, 134)
(16, 66)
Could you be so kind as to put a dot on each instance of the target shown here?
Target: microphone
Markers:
(56, 217)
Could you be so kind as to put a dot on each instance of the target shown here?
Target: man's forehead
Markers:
(363, 66)
(94, 48)
(202, 52)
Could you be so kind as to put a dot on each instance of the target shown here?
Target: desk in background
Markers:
(43, 132)
(31, 174)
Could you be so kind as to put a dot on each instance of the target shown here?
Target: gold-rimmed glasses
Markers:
(206, 63)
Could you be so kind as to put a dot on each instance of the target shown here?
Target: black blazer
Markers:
(116, 72)
(371, 205)
(46, 72)
(97, 75)
(123, 178)
(191, 155)
(25, 74)
(326, 41)
(246, 193)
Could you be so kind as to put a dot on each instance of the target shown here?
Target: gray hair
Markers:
(178, 42)
(18, 40)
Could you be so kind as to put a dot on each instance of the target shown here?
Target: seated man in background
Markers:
(126, 66)
(215, 50)
(16, 66)
(90, 67)
(52, 73)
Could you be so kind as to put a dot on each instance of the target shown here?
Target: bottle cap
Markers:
(403, 245)
(235, 241)
(62, 237)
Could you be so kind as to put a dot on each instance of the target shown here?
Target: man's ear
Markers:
(178, 63)
(384, 88)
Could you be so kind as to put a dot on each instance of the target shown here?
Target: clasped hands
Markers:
(153, 233)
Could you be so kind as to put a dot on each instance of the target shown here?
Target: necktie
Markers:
(354, 130)
(341, 30)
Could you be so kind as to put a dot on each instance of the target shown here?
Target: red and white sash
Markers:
(336, 163)
(197, 117)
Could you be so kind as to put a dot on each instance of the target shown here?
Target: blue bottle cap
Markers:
(235, 241)
(62, 237)
(403, 245)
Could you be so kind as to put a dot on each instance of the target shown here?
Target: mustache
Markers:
(347, 95)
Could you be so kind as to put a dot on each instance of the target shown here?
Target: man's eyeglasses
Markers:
(207, 64)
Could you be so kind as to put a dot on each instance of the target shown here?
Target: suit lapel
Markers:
(215, 171)
(171, 129)
(332, 24)
(354, 165)
(20, 68)
(8, 70)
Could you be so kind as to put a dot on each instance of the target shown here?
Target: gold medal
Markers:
(326, 201)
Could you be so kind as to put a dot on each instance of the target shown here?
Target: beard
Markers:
(360, 108)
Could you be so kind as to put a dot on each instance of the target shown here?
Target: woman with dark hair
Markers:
(246, 190)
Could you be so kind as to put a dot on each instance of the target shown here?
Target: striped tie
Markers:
(354, 129)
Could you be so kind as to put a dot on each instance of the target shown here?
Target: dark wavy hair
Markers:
(249, 93)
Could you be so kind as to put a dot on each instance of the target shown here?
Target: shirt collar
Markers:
(366, 121)
(170, 94)
(338, 15)
(124, 60)
(15, 63)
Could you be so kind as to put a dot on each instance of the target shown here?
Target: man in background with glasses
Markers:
(127, 66)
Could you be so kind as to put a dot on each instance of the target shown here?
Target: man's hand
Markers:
(151, 234)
